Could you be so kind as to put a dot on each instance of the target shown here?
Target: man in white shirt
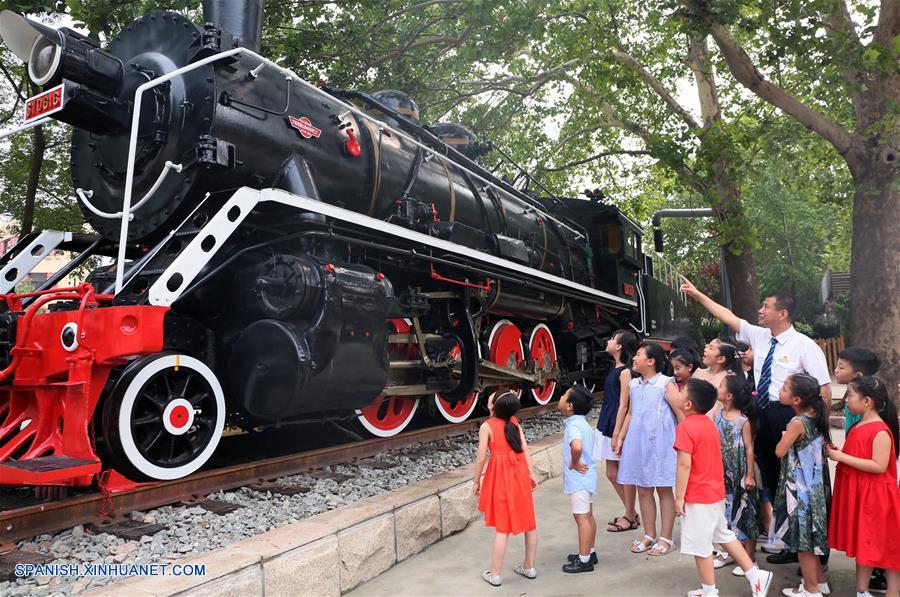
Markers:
(779, 351)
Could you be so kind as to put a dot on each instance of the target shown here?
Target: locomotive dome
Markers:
(399, 102)
(459, 138)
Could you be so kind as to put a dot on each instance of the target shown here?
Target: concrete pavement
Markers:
(454, 566)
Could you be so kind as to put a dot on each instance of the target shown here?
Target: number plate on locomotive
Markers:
(44, 104)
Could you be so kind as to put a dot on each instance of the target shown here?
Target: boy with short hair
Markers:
(855, 361)
(700, 494)
(579, 475)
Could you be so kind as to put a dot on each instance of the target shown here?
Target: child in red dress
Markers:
(865, 508)
(505, 493)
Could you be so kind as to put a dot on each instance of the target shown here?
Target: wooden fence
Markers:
(831, 347)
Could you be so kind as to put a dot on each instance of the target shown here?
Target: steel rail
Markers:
(47, 517)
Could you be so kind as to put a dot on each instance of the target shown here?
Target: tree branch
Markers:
(448, 40)
(842, 31)
(743, 69)
(613, 118)
(596, 157)
(12, 82)
(637, 68)
(397, 13)
(536, 80)
(698, 60)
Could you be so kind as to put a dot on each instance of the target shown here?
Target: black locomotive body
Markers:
(292, 253)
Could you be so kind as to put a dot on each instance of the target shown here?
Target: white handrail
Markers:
(85, 196)
(24, 127)
(132, 149)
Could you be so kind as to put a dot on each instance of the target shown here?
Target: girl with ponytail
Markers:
(801, 501)
(505, 493)
(865, 517)
(720, 359)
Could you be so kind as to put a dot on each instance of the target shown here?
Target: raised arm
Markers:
(721, 313)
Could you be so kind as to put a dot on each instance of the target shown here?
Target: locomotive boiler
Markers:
(284, 253)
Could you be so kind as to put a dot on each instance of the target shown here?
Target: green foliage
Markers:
(540, 79)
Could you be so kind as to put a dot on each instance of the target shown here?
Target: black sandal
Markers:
(632, 525)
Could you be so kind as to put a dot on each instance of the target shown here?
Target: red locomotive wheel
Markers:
(387, 416)
(462, 410)
(505, 342)
(542, 349)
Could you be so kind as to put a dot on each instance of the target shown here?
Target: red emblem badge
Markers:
(305, 127)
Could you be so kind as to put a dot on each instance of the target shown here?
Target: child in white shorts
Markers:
(579, 475)
(700, 494)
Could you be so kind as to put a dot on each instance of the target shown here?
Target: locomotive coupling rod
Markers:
(417, 364)
(491, 370)
(411, 338)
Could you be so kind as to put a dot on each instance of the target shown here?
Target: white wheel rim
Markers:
(494, 330)
(130, 448)
(530, 344)
(377, 432)
(455, 418)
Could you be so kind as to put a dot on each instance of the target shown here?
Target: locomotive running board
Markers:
(23, 259)
(209, 240)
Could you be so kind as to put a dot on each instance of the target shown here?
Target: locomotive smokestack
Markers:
(241, 18)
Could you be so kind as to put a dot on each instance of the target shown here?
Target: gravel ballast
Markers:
(191, 529)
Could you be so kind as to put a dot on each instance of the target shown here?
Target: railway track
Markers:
(103, 510)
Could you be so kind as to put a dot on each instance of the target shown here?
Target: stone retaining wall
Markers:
(333, 552)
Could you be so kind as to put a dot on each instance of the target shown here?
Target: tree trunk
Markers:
(875, 261)
(34, 176)
(738, 255)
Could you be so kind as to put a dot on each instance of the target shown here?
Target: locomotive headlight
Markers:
(44, 60)
(29, 41)
(54, 54)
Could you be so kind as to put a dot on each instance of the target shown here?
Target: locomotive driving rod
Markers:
(487, 370)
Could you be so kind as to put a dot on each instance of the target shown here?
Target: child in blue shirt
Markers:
(580, 475)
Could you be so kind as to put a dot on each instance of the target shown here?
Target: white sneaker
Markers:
(700, 593)
(864, 594)
(824, 588)
(737, 571)
(761, 587)
(800, 592)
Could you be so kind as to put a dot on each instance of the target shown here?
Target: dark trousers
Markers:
(772, 422)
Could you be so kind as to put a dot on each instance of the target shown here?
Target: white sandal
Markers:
(640, 546)
(661, 548)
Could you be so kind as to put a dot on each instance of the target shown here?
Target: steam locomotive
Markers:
(284, 253)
